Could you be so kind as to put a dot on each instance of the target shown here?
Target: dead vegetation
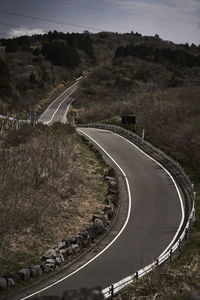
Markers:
(168, 114)
(166, 283)
(166, 104)
(51, 184)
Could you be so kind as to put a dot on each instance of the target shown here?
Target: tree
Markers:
(157, 37)
(60, 54)
(5, 88)
(11, 46)
(32, 78)
(187, 46)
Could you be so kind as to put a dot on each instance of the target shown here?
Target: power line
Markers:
(10, 25)
(48, 21)
(90, 8)
(7, 34)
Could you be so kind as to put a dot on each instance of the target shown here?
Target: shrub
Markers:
(16, 137)
(5, 88)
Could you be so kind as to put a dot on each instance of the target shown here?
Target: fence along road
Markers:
(157, 211)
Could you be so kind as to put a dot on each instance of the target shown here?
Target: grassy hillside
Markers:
(155, 80)
(164, 98)
(159, 83)
(45, 194)
(34, 68)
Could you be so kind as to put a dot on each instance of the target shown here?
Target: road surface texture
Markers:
(58, 109)
(155, 215)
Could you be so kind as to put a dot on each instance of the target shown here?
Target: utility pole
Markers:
(73, 120)
(143, 133)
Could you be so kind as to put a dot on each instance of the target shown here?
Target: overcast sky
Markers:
(174, 20)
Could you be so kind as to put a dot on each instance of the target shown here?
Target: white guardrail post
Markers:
(112, 290)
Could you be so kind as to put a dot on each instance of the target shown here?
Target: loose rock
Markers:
(86, 239)
(76, 248)
(3, 283)
(110, 198)
(15, 277)
(24, 274)
(99, 226)
(70, 251)
(51, 253)
(91, 232)
(113, 190)
(109, 210)
(64, 253)
(10, 282)
(58, 261)
(61, 245)
(110, 172)
(35, 271)
(51, 261)
(46, 268)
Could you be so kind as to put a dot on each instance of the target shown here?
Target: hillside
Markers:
(33, 69)
(155, 80)
(159, 85)
(45, 194)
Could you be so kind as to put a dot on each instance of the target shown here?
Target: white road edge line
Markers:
(179, 195)
(124, 226)
(48, 122)
(129, 210)
(57, 99)
(177, 189)
(65, 119)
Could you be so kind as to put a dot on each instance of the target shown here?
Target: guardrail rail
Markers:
(185, 185)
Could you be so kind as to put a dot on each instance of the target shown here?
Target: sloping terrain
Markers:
(51, 186)
(155, 80)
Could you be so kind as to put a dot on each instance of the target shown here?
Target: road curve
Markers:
(154, 218)
(58, 109)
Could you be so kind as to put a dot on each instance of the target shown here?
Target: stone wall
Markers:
(69, 249)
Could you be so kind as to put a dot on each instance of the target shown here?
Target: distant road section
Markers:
(58, 109)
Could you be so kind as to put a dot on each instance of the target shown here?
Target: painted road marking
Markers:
(124, 226)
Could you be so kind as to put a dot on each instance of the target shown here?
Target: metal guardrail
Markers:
(8, 123)
(14, 119)
(186, 185)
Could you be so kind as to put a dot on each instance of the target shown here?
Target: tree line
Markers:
(58, 47)
(5, 88)
(177, 57)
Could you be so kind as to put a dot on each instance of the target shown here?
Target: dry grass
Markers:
(170, 117)
(178, 280)
(50, 187)
(166, 283)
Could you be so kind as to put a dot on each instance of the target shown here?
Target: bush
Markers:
(11, 46)
(62, 129)
(89, 91)
(34, 176)
(16, 137)
(100, 74)
(5, 88)
(123, 83)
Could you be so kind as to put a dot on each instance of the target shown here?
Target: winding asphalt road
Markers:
(59, 108)
(152, 216)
